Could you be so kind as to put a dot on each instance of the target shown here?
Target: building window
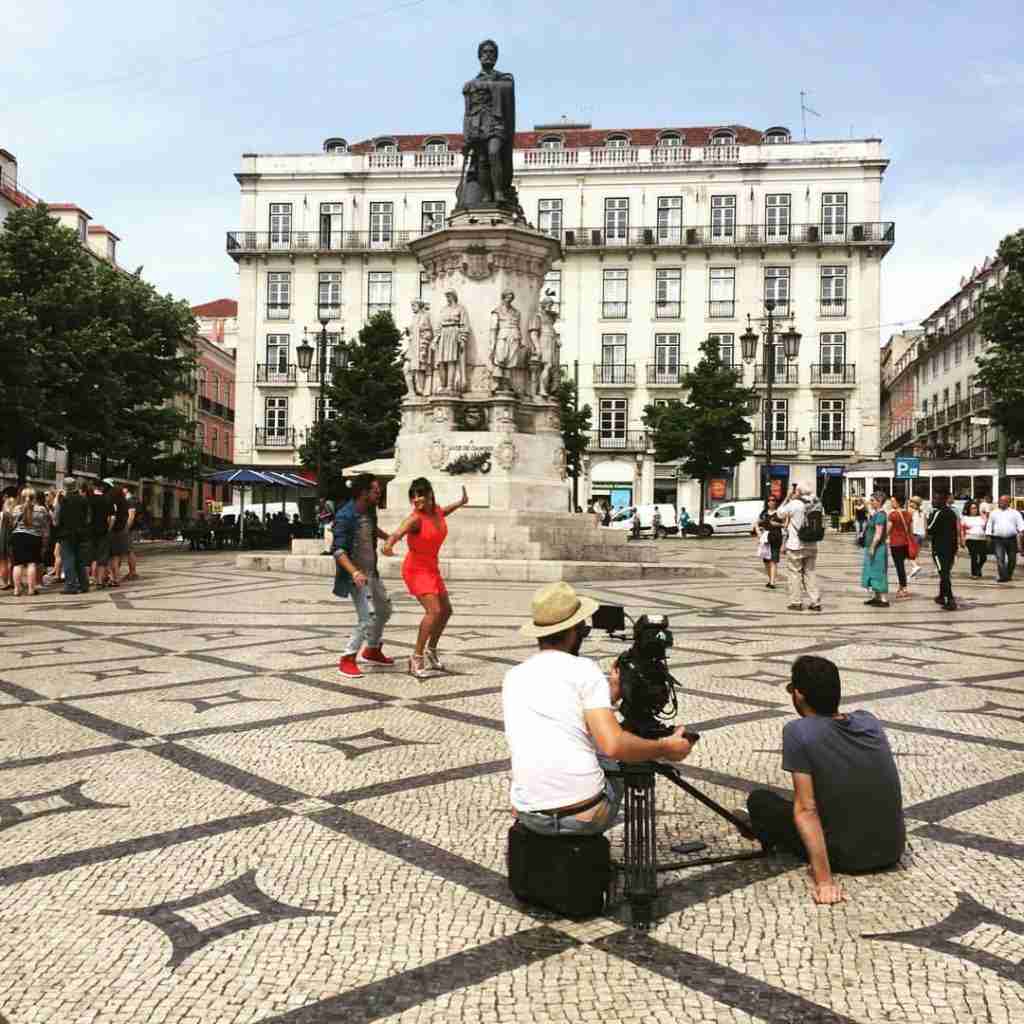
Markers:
(723, 137)
(726, 347)
(958, 351)
(833, 215)
(277, 353)
(329, 294)
(832, 421)
(83, 230)
(616, 142)
(215, 387)
(776, 288)
(201, 436)
(331, 222)
(957, 392)
(203, 383)
(378, 292)
(549, 217)
(945, 397)
(777, 420)
(668, 293)
(833, 352)
(279, 295)
(670, 139)
(431, 216)
(280, 225)
(776, 218)
(833, 291)
(723, 217)
(424, 293)
(945, 359)
(214, 440)
(670, 218)
(387, 146)
(324, 407)
(436, 147)
(111, 249)
(970, 344)
(666, 359)
(553, 288)
(551, 142)
(722, 292)
(276, 417)
(924, 407)
(335, 146)
(616, 221)
(382, 217)
(615, 295)
(612, 418)
(776, 136)
(227, 445)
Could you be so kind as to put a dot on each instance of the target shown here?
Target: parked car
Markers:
(734, 516)
(622, 519)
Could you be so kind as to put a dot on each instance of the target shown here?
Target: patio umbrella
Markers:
(246, 476)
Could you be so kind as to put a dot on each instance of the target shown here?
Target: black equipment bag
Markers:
(569, 874)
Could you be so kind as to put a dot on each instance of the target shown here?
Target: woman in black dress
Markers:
(769, 532)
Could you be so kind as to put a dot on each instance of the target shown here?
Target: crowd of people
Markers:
(76, 537)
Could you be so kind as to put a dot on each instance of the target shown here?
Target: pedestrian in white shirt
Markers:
(801, 556)
(1005, 526)
(918, 528)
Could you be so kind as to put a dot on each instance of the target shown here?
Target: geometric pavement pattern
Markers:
(200, 822)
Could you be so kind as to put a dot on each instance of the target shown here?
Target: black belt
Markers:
(564, 812)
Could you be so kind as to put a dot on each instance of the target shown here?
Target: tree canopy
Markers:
(1001, 367)
(706, 430)
(91, 357)
(575, 424)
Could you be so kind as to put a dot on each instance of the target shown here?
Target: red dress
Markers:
(420, 570)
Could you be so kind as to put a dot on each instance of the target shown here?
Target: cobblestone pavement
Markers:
(200, 822)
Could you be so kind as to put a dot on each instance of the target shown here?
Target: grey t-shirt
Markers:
(856, 786)
(364, 550)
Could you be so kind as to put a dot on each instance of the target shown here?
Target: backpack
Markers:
(813, 529)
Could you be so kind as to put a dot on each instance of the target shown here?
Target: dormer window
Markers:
(723, 137)
(335, 146)
(387, 146)
(616, 142)
(776, 136)
(111, 249)
(670, 139)
(551, 142)
(436, 147)
(83, 230)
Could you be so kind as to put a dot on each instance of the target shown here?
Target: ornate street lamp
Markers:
(304, 354)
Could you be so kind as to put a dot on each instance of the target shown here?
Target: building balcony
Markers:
(615, 374)
(668, 309)
(313, 373)
(981, 400)
(832, 441)
(614, 310)
(276, 373)
(941, 417)
(832, 309)
(275, 437)
(787, 376)
(666, 375)
(248, 243)
(617, 441)
(85, 464)
(842, 375)
(722, 309)
(782, 441)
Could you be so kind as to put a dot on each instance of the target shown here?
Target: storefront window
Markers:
(940, 484)
(923, 488)
(962, 487)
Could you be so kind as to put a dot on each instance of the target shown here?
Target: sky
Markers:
(140, 112)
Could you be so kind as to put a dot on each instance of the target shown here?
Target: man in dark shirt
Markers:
(73, 520)
(944, 531)
(102, 517)
(848, 811)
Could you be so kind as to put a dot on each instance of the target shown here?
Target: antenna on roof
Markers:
(804, 111)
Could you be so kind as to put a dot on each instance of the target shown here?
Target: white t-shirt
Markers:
(554, 758)
(797, 512)
(974, 527)
(1004, 522)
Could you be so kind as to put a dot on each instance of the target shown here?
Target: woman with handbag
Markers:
(768, 530)
(902, 543)
(972, 533)
(874, 575)
(918, 531)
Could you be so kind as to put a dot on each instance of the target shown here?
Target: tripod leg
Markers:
(640, 856)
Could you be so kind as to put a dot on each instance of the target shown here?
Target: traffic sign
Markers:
(907, 468)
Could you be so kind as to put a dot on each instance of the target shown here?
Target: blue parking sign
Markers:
(907, 468)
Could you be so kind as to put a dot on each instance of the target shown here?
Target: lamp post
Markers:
(304, 353)
(791, 346)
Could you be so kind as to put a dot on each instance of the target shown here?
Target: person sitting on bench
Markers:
(560, 726)
(848, 812)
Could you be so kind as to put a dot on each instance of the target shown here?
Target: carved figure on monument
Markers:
(508, 353)
(450, 347)
(545, 350)
(419, 337)
(488, 128)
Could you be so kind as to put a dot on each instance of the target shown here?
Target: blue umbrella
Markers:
(248, 476)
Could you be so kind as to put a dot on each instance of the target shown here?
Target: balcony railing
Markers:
(666, 375)
(276, 373)
(614, 310)
(668, 309)
(614, 155)
(941, 417)
(618, 440)
(832, 441)
(980, 400)
(241, 243)
(721, 309)
(313, 373)
(85, 464)
(832, 308)
(373, 308)
(279, 310)
(275, 437)
(784, 376)
(205, 403)
(782, 440)
(825, 374)
(623, 374)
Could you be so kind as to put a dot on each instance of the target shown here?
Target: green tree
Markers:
(707, 430)
(575, 423)
(365, 403)
(1001, 368)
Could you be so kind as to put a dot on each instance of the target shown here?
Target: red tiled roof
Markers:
(99, 229)
(69, 206)
(575, 138)
(217, 308)
(18, 198)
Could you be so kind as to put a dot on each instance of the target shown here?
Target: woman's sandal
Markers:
(417, 668)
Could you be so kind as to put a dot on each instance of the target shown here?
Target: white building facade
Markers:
(668, 236)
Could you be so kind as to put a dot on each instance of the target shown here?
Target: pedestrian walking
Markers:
(120, 537)
(74, 523)
(768, 530)
(28, 540)
(6, 552)
(860, 518)
(901, 543)
(874, 574)
(102, 517)
(801, 552)
(972, 534)
(944, 533)
(1006, 527)
(131, 531)
(918, 530)
(425, 530)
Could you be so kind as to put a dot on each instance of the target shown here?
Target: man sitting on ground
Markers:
(560, 726)
(848, 812)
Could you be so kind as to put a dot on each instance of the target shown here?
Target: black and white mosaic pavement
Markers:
(200, 822)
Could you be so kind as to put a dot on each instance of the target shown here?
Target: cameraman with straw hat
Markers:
(560, 726)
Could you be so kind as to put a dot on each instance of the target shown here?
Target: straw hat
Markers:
(556, 607)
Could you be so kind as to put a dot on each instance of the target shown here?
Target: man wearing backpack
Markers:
(804, 525)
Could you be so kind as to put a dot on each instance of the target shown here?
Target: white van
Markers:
(623, 519)
(734, 516)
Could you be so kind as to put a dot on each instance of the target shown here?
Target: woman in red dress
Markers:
(426, 528)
